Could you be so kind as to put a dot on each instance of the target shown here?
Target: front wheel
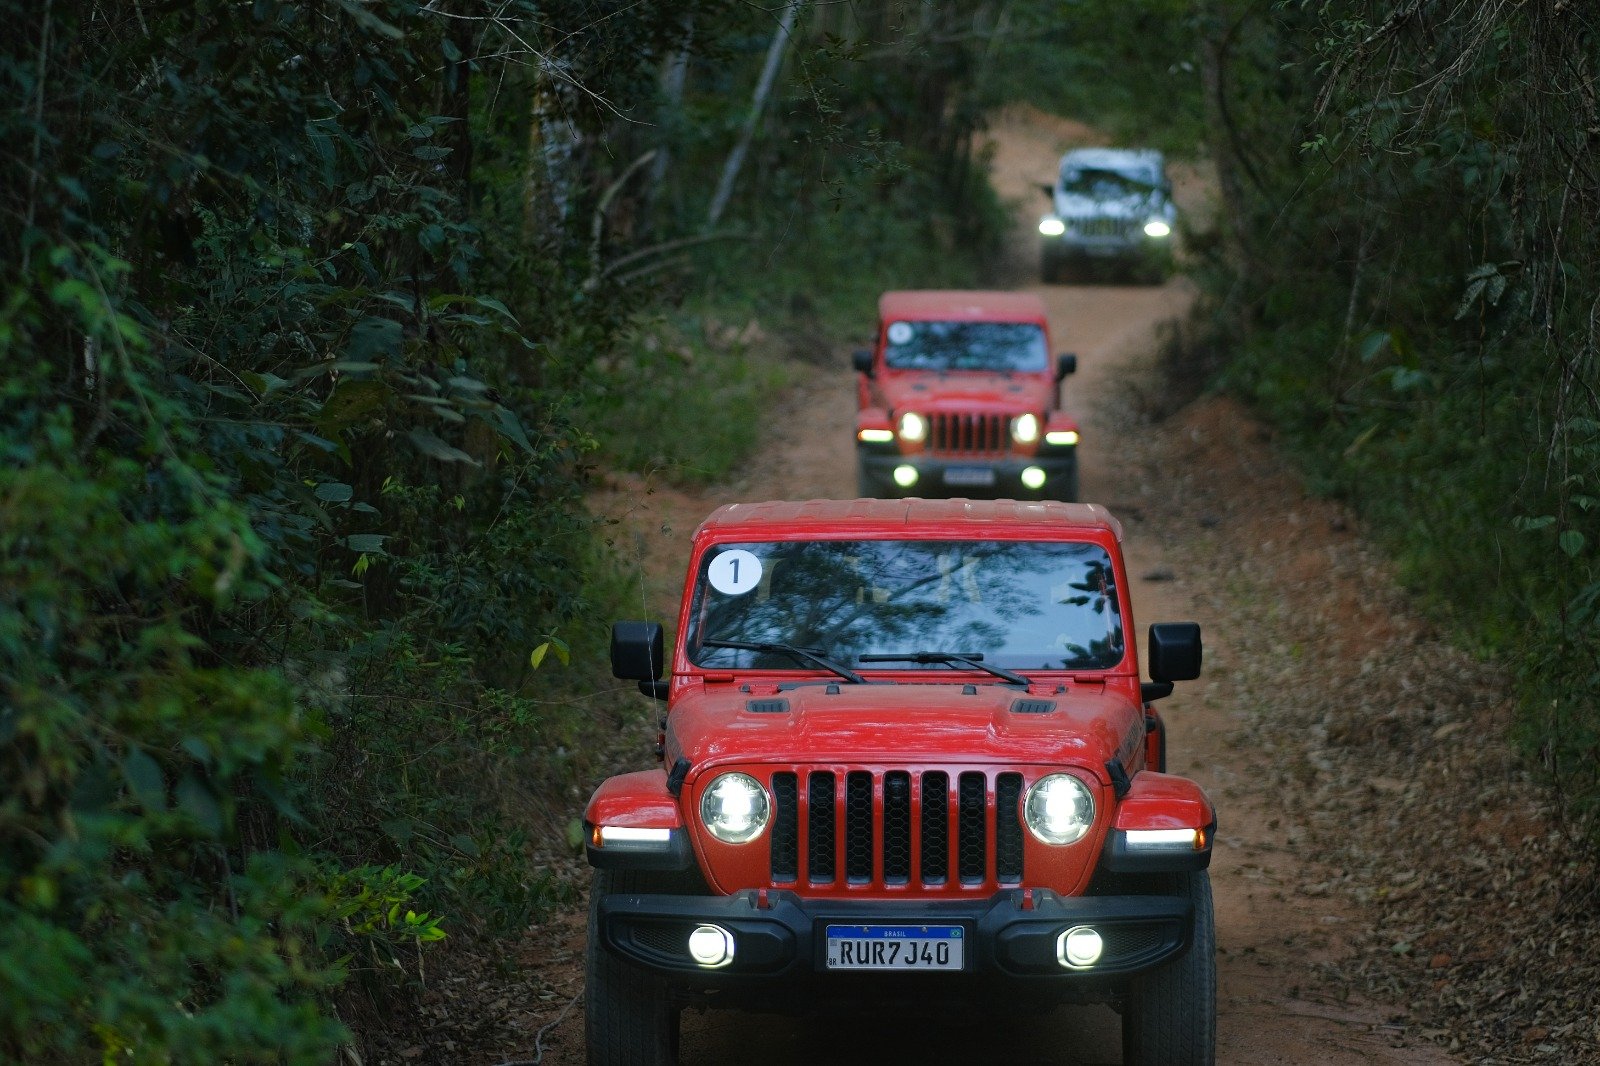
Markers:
(630, 1018)
(1170, 1018)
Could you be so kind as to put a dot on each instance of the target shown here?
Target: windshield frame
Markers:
(684, 666)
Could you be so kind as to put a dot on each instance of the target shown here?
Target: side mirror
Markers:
(1049, 192)
(1066, 363)
(1174, 651)
(861, 359)
(636, 651)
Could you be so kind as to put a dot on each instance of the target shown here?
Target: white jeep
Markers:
(1113, 206)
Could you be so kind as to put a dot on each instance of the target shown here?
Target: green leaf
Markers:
(366, 542)
(334, 492)
(196, 799)
(538, 655)
(144, 777)
(435, 448)
(1372, 344)
(1572, 542)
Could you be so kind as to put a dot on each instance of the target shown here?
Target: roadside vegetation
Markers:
(316, 320)
(1409, 288)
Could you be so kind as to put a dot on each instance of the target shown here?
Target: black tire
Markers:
(1170, 1018)
(630, 1018)
(1066, 488)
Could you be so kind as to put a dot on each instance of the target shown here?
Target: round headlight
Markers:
(1156, 228)
(1052, 227)
(1059, 809)
(1025, 429)
(913, 427)
(734, 808)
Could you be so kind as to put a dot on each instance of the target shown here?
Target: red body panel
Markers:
(1162, 801)
(634, 801)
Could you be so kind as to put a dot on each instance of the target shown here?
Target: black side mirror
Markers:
(636, 651)
(861, 359)
(1049, 192)
(1066, 363)
(1174, 651)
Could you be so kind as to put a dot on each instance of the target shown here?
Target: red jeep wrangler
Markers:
(907, 761)
(960, 394)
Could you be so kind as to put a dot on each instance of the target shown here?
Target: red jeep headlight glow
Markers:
(913, 427)
(734, 808)
(1025, 428)
(1059, 809)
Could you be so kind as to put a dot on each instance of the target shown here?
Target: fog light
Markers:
(712, 946)
(1079, 947)
(905, 476)
(1033, 477)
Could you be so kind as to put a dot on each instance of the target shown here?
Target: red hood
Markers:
(967, 390)
(905, 723)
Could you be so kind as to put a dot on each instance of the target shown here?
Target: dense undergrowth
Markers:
(1409, 288)
(315, 319)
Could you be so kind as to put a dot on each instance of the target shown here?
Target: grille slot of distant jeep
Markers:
(922, 816)
(1104, 227)
(969, 434)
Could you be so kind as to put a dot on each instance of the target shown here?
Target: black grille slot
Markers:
(1033, 706)
(785, 826)
(935, 827)
(663, 938)
(820, 838)
(1125, 941)
(767, 706)
(969, 434)
(1008, 829)
(858, 827)
(896, 827)
(972, 843)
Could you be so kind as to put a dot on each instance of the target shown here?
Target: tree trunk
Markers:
(758, 102)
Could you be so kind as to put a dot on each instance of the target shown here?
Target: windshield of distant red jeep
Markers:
(1020, 604)
(999, 346)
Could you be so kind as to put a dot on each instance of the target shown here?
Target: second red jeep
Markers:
(960, 393)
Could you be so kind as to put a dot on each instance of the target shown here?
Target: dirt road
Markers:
(1182, 488)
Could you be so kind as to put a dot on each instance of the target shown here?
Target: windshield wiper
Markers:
(806, 654)
(973, 660)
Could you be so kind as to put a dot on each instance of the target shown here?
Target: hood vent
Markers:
(778, 706)
(1033, 706)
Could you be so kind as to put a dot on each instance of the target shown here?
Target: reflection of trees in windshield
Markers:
(1041, 606)
(1104, 184)
(1004, 346)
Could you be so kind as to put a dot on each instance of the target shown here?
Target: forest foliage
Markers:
(1411, 288)
(313, 319)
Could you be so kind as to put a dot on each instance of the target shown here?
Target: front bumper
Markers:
(975, 476)
(781, 941)
(1137, 247)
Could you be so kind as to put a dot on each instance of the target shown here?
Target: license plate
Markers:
(969, 475)
(895, 947)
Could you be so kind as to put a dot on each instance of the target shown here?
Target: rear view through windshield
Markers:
(1021, 605)
(1003, 346)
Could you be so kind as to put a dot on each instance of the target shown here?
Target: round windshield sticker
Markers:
(733, 573)
(900, 332)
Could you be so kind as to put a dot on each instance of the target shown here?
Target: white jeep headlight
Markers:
(913, 427)
(1059, 809)
(1025, 429)
(1051, 226)
(1156, 228)
(734, 808)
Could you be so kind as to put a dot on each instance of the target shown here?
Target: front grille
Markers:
(897, 827)
(1103, 227)
(969, 434)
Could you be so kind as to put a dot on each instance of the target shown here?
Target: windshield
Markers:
(1022, 605)
(1107, 184)
(1003, 346)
